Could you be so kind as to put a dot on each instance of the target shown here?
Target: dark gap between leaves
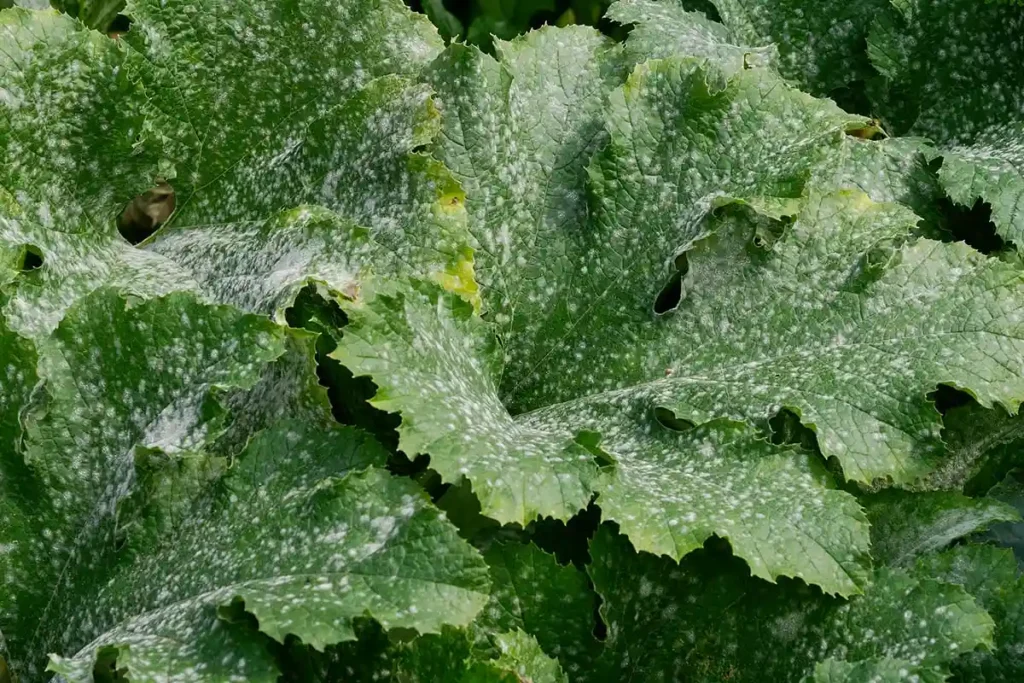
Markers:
(853, 96)
(600, 630)
(348, 395)
(120, 25)
(568, 541)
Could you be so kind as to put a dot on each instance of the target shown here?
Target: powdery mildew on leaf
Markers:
(951, 73)
(981, 446)
(824, 290)
(305, 153)
(906, 525)
(821, 45)
(667, 29)
(990, 574)
(521, 655)
(992, 168)
(75, 156)
(250, 121)
(447, 656)
(307, 540)
(17, 379)
(534, 594)
(75, 264)
(670, 491)
(518, 134)
(881, 670)
(434, 362)
(358, 159)
(706, 619)
(1009, 534)
(887, 170)
(119, 379)
(288, 389)
(261, 267)
(561, 286)
(681, 141)
(867, 328)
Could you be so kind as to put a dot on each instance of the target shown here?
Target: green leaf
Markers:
(504, 19)
(821, 46)
(966, 96)
(1010, 534)
(258, 112)
(521, 655)
(706, 619)
(432, 360)
(95, 14)
(307, 542)
(447, 656)
(906, 525)
(448, 25)
(982, 445)
(888, 170)
(989, 574)
(517, 135)
(443, 657)
(357, 158)
(667, 29)
(122, 380)
(882, 670)
(568, 292)
(534, 594)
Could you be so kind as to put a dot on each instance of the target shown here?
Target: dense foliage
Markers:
(331, 352)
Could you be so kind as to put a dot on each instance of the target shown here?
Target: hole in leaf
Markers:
(146, 213)
(672, 293)
(946, 398)
(591, 441)
(786, 428)
(32, 260)
(105, 669)
(972, 225)
(668, 420)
